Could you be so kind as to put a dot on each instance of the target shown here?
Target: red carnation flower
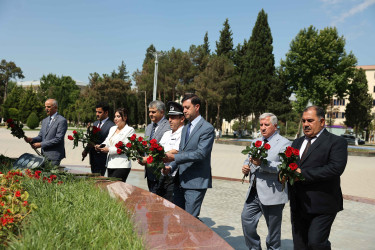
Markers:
(288, 152)
(144, 143)
(18, 194)
(9, 120)
(293, 166)
(25, 203)
(70, 137)
(119, 151)
(95, 130)
(150, 159)
(132, 138)
(160, 148)
(74, 132)
(119, 144)
(128, 145)
(153, 141)
(267, 146)
(52, 177)
(258, 144)
(140, 138)
(295, 151)
(11, 125)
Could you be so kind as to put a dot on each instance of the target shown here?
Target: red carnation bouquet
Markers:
(17, 130)
(88, 138)
(257, 151)
(136, 148)
(288, 166)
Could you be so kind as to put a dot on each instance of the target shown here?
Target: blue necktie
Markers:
(153, 130)
(187, 133)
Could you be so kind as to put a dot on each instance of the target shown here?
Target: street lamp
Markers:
(155, 54)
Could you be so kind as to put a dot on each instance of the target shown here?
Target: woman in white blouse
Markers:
(117, 165)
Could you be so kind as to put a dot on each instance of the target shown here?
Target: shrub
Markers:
(32, 121)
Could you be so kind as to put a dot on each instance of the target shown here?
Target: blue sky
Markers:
(75, 38)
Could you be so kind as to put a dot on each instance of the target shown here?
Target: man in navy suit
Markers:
(159, 125)
(51, 135)
(98, 160)
(193, 160)
(315, 201)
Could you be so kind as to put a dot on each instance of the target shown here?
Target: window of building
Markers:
(335, 101)
(343, 115)
(374, 88)
(343, 102)
(373, 102)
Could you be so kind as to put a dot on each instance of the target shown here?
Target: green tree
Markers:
(259, 69)
(206, 44)
(8, 70)
(215, 83)
(12, 101)
(30, 102)
(317, 67)
(63, 89)
(279, 97)
(358, 110)
(224, 47)
(122, 73)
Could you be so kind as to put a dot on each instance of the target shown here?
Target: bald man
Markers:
(51, 135)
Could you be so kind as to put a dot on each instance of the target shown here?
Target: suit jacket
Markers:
(99, 160)
(322, 167)
(115, 160)
(52, 139)
(163, 127)
(194, 157)
(268, 187)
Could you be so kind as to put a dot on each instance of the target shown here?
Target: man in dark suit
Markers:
(159, 125)
(51, 135)
(315, 201)
(98, 160)
(193, 159)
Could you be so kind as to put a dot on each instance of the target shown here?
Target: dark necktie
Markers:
(307, 147)
(49, 122)
(187, 133)
(100, 124)
(265, 141)
(153, 130)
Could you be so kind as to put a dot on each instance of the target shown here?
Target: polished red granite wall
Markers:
(163, 224)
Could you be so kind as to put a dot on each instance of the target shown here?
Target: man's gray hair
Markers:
(54, 102)
(273, 117)
(159, 105)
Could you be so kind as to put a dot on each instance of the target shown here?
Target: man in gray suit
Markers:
(98, 160)
(159, 125)
(193, 160)
(51, 135)
(265, 195)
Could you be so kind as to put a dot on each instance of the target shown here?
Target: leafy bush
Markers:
(32, 121)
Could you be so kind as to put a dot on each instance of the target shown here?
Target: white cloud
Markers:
(351, 12)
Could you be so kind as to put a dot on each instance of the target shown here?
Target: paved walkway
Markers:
(353, 228)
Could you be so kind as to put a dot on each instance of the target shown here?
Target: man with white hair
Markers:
(51, 135)
(265, 195)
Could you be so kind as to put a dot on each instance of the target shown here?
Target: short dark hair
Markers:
(123, 113)
(318, 110)
(103, 105)
(194, 99)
